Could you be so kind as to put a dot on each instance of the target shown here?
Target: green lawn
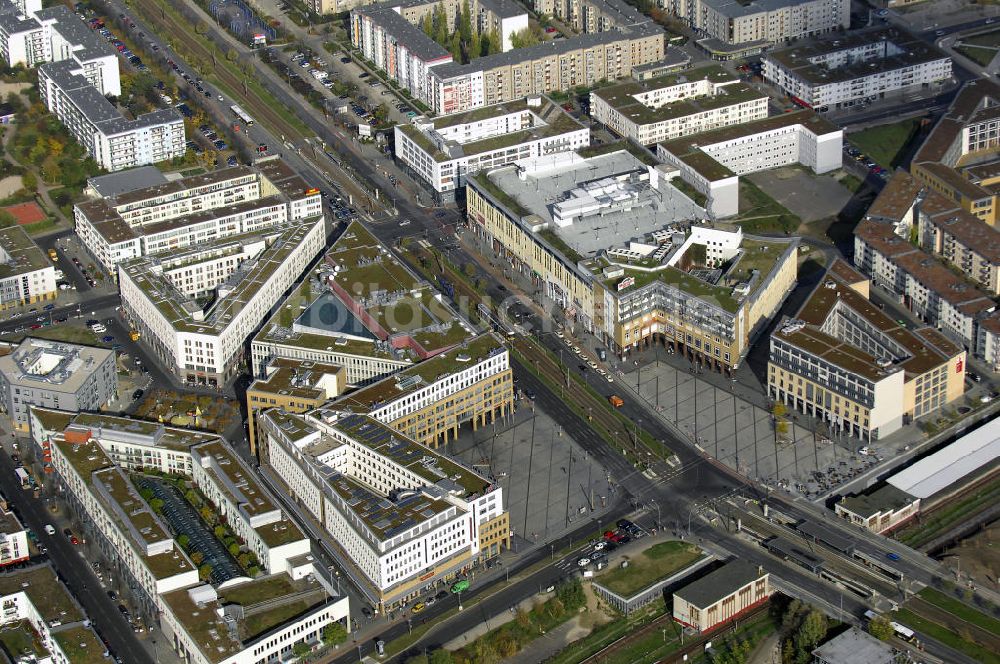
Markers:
(981, 56)
(946, 636)
(644, 569)
(985, 39)
(699, 198)
(759, 213)
(60, 332)
(886, 144)
(958, 608)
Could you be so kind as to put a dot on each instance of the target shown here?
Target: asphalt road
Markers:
(75, 570)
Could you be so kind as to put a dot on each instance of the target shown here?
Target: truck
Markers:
(133, 335)
(53, 255)
(616, 401)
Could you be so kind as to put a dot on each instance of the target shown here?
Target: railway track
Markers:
(168, 24)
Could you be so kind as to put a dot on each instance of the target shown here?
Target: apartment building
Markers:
(30, 36)
(735, 22)
(712, 161)
(130, 532)
(836, 73)
(590, 16)
(406, 516)
(959, 238)
(40, 613)
(294, 386)
(922, 283)
(443, 152)
(54, 374)
(665, 108)
(551, 66)
(959, 158)
(721, 595)
(27, 275)
(388, 35)
(112, 140)
(13, 537)
(127, 530)
(617, 254)
(138, 220)
(203, 344)
(470, 384)
(373, 317)
(844, 361)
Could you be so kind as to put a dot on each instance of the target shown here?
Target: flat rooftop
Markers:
(422, 375)
(19, 254)
(92, 465)
(46, 592)
(855, 647)
(691, 149)
(251, 498)
(141, 432)
(179, 309)
(279, 599)
(649, 210)
(804, 58)
(52, 366)
(295, 378)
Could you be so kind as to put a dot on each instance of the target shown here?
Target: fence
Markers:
(648, 594)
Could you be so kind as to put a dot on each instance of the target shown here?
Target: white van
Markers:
(49, 529)
(98, 329)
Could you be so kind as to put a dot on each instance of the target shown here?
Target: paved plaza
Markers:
(802, 458)
(550, 484)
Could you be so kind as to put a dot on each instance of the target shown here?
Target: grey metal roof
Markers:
(404, 32)
(114, 184)
(855, 647)
(719, 584)
(738, 8)
(73, 30)
(94, 106)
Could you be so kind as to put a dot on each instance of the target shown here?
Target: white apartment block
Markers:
(405, 515)
(36, 604)
(249, 510)
(13, 537)
(129, 531)
(194, 211)
(205, 345)
(772, 21)
(191, 612)
(443, 152)
(30, 36)
(113, 141)
(665, 108)
(26, 273)
(838, 72)
(712, 162)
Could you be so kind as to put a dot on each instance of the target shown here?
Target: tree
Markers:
(465, 22)
(204, 572)
(301, 649)
(200, 28)
(475, 46)
(417, 659)
(427, 24)
(7, 219)
(813, 629)
(334, 633)
(441, 656)
(880, 628)
(156, 504)
(232, 55)
(455, 46)
(146, 493)
(440, 22)
(183, 541)
(528, 37)
(492, 43)
(468, 269)
(197, 557)
(571, 594)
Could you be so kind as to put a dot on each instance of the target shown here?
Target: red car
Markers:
(74, 540)
(36, 326)
(612, 536)
(550, 30)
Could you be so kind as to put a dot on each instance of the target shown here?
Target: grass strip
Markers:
(960, 609)
(946, 636)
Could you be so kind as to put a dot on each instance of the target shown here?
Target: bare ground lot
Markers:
(811, 197)
(980, 555)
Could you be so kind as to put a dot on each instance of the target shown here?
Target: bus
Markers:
(241, 114)
(902, 631)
